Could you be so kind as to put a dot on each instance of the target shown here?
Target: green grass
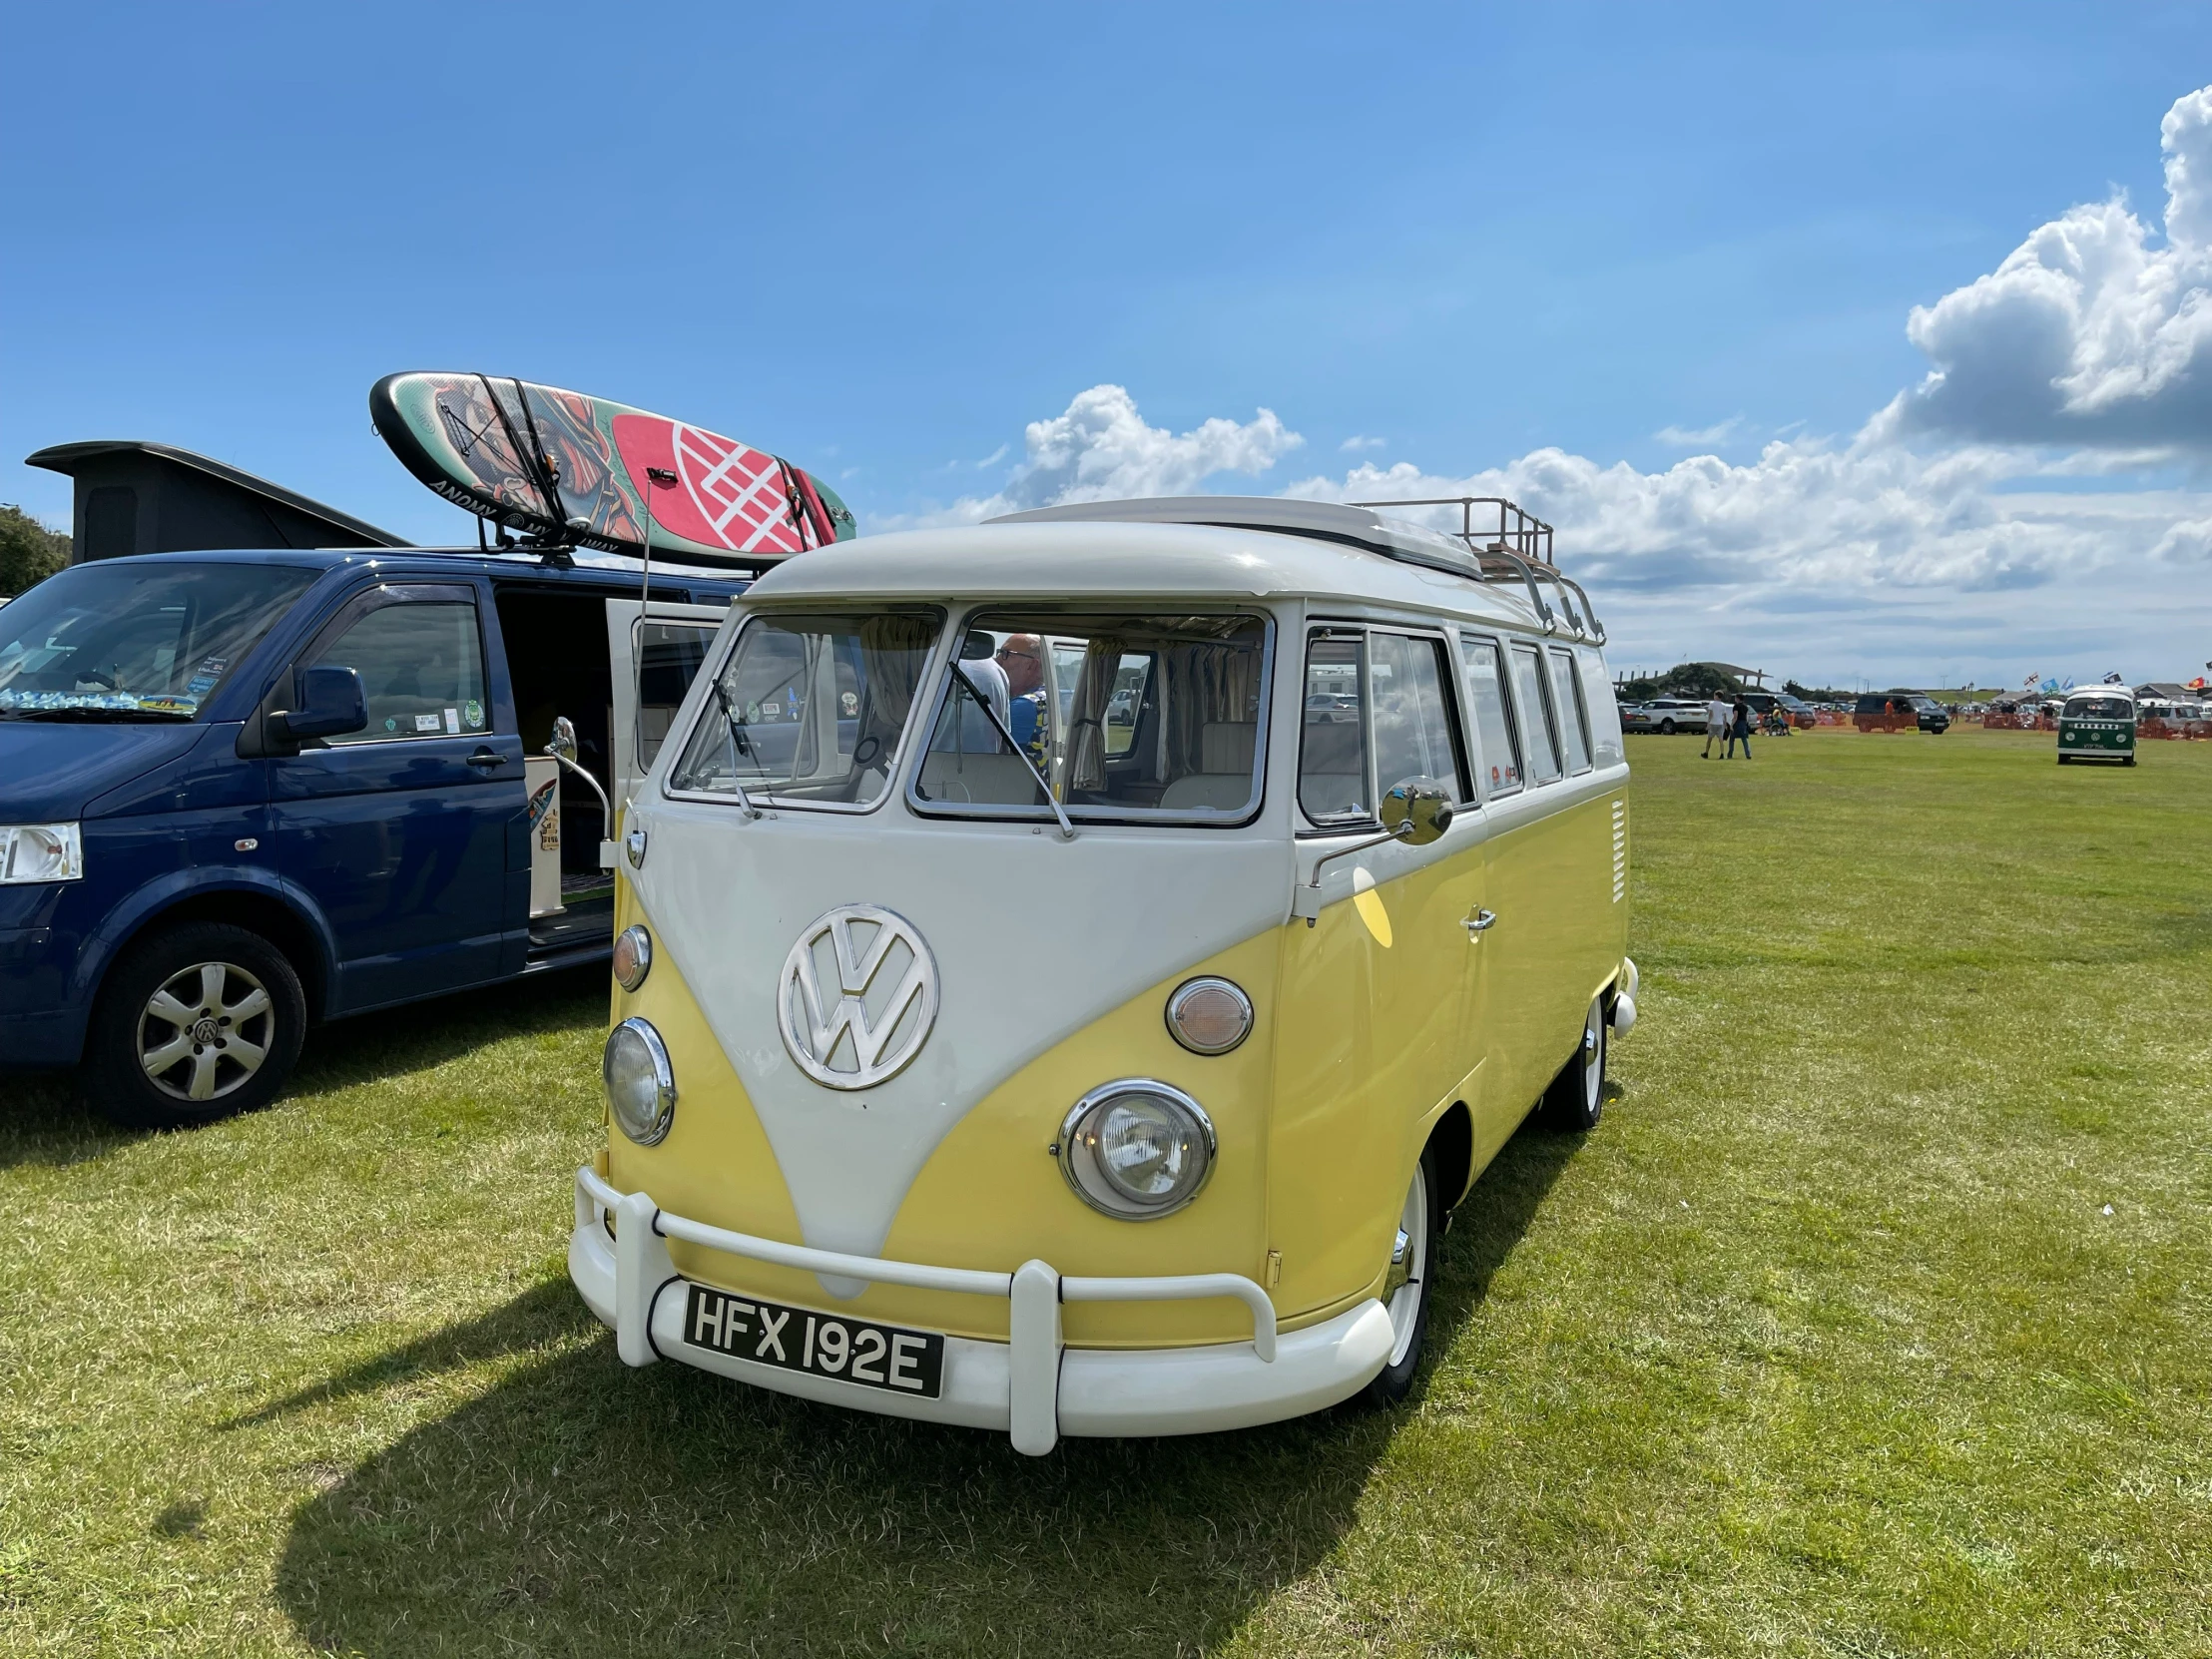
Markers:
(1872, 1321)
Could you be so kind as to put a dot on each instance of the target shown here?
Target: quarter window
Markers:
(1333, 740)
(1574, 723)
(1493, 714)
(1536, 719)
(422, 671)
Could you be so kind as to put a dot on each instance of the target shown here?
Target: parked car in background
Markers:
(1664, 714)
(1900, 711)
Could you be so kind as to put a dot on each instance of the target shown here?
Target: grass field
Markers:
(1873, 1320)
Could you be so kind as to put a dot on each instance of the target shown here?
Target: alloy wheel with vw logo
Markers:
(856, 997)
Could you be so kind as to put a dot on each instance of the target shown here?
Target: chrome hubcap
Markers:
(205, 1031)
(1409, 1267)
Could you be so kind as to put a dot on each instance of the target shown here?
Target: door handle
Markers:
(1482, 921)
(485, 758)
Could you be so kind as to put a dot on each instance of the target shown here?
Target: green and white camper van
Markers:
(2097, 725)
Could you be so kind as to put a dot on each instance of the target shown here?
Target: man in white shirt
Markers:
(1717, 715)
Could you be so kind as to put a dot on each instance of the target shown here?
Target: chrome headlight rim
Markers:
(1079, 1163)
(640, 941)
(1179, 998)
(664, 1079)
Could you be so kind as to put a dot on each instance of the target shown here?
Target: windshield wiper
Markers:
(1067, 830)
(738, 744)
(94, 714)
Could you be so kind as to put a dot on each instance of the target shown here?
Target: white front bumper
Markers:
(1032, 1387)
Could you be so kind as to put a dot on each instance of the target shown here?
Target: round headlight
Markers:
(633, 957)
(1208, 1016)
(640, 1089)
(1137, 1149)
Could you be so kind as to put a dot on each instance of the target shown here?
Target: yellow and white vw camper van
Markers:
(1068, 968)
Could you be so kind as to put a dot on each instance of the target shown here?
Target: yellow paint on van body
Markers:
(1364, 1037)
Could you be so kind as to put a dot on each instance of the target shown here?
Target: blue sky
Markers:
(886, 241)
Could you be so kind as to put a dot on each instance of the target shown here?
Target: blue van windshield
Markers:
(133, 642)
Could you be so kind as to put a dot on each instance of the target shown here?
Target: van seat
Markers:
(1226, 746)
(980, 780)
(1222, 792)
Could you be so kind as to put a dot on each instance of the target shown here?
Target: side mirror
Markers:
(563, 743)
(1418, 813)
(328, 702)
(978, 647)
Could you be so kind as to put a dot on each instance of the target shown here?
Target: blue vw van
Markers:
(242, 792)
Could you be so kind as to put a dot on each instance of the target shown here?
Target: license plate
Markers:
(820, 1344)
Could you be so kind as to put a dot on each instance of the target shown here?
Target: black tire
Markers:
(2130, 760)
(1395, 1379)
(235, 1056)
(1667, 726)
(2066, 760)
(1576, 1098)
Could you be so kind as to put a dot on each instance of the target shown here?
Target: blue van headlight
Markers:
(41, 852)
(641, 1086)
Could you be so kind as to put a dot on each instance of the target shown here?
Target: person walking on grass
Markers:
(1715, 724)
(1739, 730)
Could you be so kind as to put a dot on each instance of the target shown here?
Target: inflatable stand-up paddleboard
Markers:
(568, 469)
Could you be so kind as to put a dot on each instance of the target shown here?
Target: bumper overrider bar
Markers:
(1031, 1387)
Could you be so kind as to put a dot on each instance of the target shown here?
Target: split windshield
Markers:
(810, 708)
(136, 642)
(1144, 717)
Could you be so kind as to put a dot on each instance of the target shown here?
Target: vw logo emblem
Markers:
(865, 1027)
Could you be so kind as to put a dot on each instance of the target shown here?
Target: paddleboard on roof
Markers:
(566, 466)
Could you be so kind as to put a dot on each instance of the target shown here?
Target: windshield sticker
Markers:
(472, 714)
(426, 722)
(452, 721)
(205, 675)
(168, 705)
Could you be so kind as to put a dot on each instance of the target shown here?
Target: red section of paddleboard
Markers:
(726, 494)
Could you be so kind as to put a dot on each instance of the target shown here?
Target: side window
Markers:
(1493, 717)
(1574, 723)
(1603, 709)
(1535, 708)
(421, 664)
(1411, 716)
(1333, 736)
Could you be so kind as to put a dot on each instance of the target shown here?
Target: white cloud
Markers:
(1356, 444)
(1690, 437)
(1981, 523)
(992, 459)
(2086, 334)
(1100, 449)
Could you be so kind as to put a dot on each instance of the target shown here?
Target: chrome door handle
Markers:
(485, 758)
(1482, 921)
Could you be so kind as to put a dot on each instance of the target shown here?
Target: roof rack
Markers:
(1522, 538)
(1357, 524)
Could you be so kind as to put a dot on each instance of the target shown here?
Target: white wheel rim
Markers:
(1409, 1256)
(205, 1032)
(1593, 1057)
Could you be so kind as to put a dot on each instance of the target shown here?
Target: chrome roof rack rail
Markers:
(1520, 546)
(1518, 531)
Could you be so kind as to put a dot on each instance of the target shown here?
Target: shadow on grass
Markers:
(580, 1508)
(41, 1122)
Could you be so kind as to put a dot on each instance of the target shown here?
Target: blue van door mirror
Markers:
(328, 702)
